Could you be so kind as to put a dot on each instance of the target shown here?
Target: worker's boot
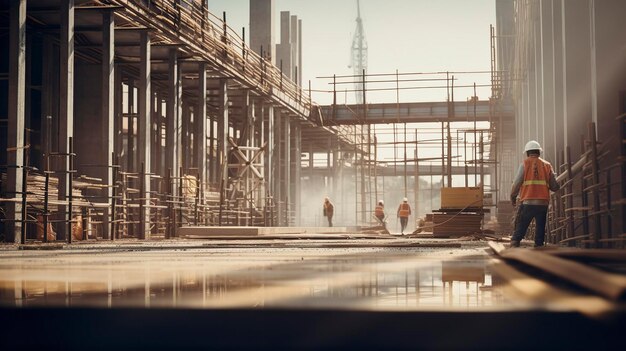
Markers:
(514, 243)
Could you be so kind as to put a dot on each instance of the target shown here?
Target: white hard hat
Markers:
(405, 200)
(381, 202)
(532, 145)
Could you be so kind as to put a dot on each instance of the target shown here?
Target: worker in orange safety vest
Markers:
(404, 211)
(535, 178)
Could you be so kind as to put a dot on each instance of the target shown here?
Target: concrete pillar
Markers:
(278, 163)
(16, 123)
(557, 39)
(66, 105)
(222, 131)
(212, 163)
(538, 98)
(299, 52)
(284, 57)
(260, 121)
(271, 152)
(144, 133)
(201, 124)
(286, 148)
(262, 28)
(297, 174)
(130, 131)
(547, 80)
(293, 40)
(108, 112)
(576, 70)
(173, 93)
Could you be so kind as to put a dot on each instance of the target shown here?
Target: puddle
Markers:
(375, 279)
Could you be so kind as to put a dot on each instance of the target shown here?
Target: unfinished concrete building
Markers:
(174, 172)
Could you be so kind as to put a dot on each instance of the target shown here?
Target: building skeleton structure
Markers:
(160, 115)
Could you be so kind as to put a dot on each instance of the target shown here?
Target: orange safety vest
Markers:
(537, 173)
(379, 211)
(404, 210)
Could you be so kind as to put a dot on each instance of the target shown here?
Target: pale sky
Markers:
(403, 35)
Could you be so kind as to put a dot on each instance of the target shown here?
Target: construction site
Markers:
(171, 181)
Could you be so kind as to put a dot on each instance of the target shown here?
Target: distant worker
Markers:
(535, 178)
(404, 211)
(379, 212)
(329, 210)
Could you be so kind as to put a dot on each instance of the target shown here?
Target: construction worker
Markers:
(535, 178)
(329, 210)
(379, 212)
(404, 211)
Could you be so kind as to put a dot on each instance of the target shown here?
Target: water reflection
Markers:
(202, 280)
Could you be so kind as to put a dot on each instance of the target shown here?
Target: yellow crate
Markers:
(461, 197)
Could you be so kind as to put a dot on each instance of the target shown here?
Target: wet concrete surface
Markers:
(251, 275)
(256, 294)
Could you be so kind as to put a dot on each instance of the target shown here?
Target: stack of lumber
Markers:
(448, 224)
(461, 198)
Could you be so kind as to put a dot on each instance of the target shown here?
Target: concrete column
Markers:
(271, 149)
(576, 70)
(293, 40)
(108, 111)
(262, 28)
(222, 131)
(16, 123)
(278, 162)
(297, 173)
(538, 98)
(171, 140)
(557, 39)
(212, 163)
(283, 50)
(287, 167)
(547, 80)
(200, 119)
(117, 112)
(299, 52)
(144, 133)
(261, 129)
(66, 105)
(130, 131)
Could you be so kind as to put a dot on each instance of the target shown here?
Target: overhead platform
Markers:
(458, 111)
(209, 232)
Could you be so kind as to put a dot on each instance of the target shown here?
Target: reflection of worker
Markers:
(404, 211)
(535, 178)
(379, 212)
(329, 210)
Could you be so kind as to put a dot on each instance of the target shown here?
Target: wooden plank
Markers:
(609, 285)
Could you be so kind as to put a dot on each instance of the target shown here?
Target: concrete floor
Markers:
(274, 293)
(399, 274)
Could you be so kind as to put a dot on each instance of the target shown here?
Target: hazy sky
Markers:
(404, 35)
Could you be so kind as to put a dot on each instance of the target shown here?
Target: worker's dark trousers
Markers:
(526, 215)
(403, 222)
(330, 221)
